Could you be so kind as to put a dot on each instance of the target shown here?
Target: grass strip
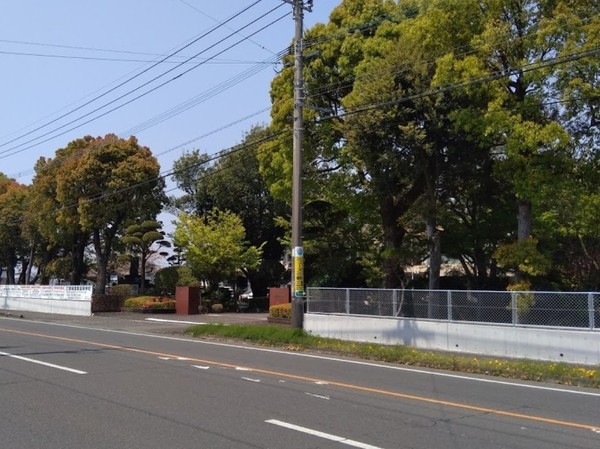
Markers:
(298, 340)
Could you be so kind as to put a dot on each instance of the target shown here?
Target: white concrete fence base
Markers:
(59, 299)
(494, 340)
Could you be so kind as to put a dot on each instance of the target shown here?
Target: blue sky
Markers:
(57, 55)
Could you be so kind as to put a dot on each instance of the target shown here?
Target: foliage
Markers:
(214, 246)
(140, 238)
(523, 256)
(149, 302)
(13, 245)
(91, 189)
(234, 183)
(217, 308)
(138, 301)
(281, 311)
(186, 278)
(160, 305)
(166, 279)
(120, 290)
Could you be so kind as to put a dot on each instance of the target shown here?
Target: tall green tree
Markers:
(96, 186)
(14, 249)
(214, 246)
(234, 183)
(516, 55)
(62, 245)
(331, 175)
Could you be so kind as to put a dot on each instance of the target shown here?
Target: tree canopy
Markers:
(214, 246)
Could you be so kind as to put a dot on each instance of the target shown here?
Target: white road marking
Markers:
(321, 383)
(319, 357)
(161, 320)
(241, 368)
(326, 436)
(165, 358)
(201, 367)
(249, 379)
(39, 362)
(318, 396)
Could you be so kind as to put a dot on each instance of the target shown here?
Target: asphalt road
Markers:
(113, 383)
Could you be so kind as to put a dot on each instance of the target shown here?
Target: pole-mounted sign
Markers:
(298, 269)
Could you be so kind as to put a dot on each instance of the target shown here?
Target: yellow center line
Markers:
(378, 391)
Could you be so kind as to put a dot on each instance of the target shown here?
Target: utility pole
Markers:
(298, 289)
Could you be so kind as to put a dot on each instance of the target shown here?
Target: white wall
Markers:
(63, 299)
(557, 344)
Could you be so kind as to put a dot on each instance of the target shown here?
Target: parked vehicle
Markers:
(244, 299)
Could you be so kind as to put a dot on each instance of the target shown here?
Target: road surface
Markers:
(68, 386)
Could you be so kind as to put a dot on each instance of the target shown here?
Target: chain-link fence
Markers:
(558, 309)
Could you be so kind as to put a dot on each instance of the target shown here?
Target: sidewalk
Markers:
(139, 322)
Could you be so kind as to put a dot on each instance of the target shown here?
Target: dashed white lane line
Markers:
(319, 396)
(161, 320)
(326, 436)
(249, 379)
(201, 367)
(39, 362)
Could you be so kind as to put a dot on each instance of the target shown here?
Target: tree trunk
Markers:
(523, 230)
(435, 252)
(101, 276)
(393, 234)
(24, 268)
(524, 220)
(10, 269)
(78, 259)
(30, 266)
(103, 247)
(143, 272)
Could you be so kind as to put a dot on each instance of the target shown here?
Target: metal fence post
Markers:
(347, 301)
(515, 311)
(591, 311)
(394, 301)
(449, 296)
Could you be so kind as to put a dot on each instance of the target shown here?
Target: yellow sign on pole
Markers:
(298, 262)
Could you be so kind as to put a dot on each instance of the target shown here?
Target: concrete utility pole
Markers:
(298, 290)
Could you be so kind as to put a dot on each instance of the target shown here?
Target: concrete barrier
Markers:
(547, 344)
(59, 299)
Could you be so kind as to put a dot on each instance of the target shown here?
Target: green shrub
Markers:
(138, 301)
(281, 311)
(149, 302)
(120, 290)
(186, 277)
(217, 308)
(169, 304)
(166, 279)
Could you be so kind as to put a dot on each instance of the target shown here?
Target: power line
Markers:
(137, 97)
(202, 36)
(91, 49)
(200, 98)
(97, 58)
(216, 20)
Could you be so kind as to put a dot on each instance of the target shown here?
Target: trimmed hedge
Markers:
(281, 311)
